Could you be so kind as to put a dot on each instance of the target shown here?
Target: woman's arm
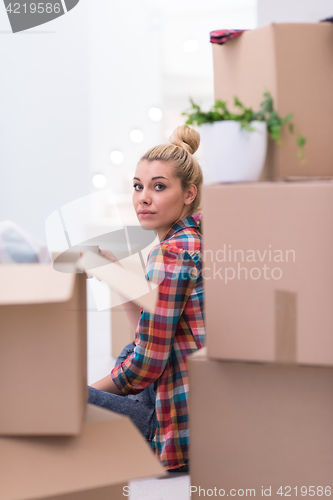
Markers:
(132, 310)
(155, 334)
(106, 384)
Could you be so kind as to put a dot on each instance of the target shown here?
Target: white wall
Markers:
(44, 119)
(296, 11)
(72, 90)
(138, 61)
(125, 47)
(191, 74)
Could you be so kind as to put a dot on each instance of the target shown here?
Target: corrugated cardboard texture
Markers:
(43, 352)
(256, 318)
(254, 425)
(294, 63)
(92, 466)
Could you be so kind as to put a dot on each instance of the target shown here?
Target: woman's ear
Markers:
(191, 194)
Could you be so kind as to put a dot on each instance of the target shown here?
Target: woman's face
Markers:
(157, 191)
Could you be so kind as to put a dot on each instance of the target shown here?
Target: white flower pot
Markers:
(232, 154)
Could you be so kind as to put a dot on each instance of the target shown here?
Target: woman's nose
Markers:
(144, 196)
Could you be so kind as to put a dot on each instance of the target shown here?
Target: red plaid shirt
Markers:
(164, 339)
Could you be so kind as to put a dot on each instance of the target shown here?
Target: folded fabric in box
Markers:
(18, 246)
(222, 36)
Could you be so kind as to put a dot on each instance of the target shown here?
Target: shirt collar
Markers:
(179, 225)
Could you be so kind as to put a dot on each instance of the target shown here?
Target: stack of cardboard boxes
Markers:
(261, 405)
(53, 444)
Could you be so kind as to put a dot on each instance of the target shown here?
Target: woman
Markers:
(167, 192)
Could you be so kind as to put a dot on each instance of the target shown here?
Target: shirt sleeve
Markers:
(175, 273)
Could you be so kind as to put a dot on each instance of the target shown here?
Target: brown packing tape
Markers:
(285, 326)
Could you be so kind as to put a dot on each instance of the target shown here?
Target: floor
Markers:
(100, 363)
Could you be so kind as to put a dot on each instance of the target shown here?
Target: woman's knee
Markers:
(93, 395)
(128, 349)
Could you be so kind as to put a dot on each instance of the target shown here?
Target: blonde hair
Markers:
(184, 142)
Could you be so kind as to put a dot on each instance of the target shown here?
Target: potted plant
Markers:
(235, 144)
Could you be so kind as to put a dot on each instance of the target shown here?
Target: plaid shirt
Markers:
(165, 338)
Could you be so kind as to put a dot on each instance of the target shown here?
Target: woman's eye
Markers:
(160, 185)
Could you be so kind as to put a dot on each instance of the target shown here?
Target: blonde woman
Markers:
(150, 381)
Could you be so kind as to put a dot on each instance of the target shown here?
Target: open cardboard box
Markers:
(96, 465)
(260, 425)
(43, 340)
(268, 274)
(122, 332)
(43, 350)
(293, 61)
(127, 281)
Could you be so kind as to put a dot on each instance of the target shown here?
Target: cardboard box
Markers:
(43, 350)
(268, 274)
(121, 331)
(255, 426)
(294, 63)
(95, 465)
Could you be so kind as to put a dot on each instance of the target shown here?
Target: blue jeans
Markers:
(139, 407)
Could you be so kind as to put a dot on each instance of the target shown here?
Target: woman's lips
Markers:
(147, 214)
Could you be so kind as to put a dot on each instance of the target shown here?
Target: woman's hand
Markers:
(107, 254)
(106, 384)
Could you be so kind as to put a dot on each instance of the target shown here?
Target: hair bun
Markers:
(185, 137)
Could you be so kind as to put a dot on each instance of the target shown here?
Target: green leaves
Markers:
(238, 103)
(275, 130)
(287, 118)
(219, 112)
(301, 141)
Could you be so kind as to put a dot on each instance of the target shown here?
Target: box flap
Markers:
(34, 283)
(124, 281)
(109, 451)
